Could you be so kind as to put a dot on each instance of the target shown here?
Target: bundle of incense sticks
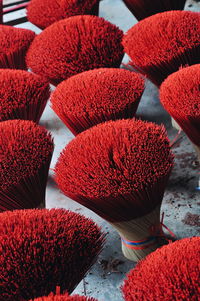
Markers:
(169, 273)
(59, 10)
(14, 43)
(120, 171)
(180, 96)
(23, 95)
(74, 45)
(159, 45)
(94, 96)
(25, 155)
(43, 249)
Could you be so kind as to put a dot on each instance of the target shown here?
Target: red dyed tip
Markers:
(118, 169)
(55, 12)
(14, 43)
(23, 95)
(144, 8)
(74, 45)
(169, 273)
(180, 95)
(161, 44)
(65, 297)
(43, 249)
(92, 97)
(25, 154)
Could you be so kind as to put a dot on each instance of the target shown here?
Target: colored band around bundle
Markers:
(139, 244)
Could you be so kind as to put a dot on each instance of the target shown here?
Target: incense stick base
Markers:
(175, 124)
(139, 236)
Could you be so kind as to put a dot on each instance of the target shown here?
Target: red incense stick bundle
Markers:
(119, 170)
(43, 249)
(144, 8)
(43, 13)
(94, 96)
(23, 95)
(25, 155)
(161, 44)
(170, 273)
(74, 45)
(14, 43)
(65, 297)
(180, 96)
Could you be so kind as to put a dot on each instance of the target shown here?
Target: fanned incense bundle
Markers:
(43, 249)
(23, 95)
(43, 13)
(144, 8)
(25, 155)
(170, 273)
(14, 43)
(94, 96)
(65, 297)
(161, 44)
(74, 45)
(119, 170)
(180, 96)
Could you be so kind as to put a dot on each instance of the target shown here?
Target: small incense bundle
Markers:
(65, 297)
(161, 44)
(43, 13)
(23, 95)
(14, 43)
(43, 249)
(25, 155)
(144, 8)
(94, 96)
(74, 45)
(119, 170)
(170, 273)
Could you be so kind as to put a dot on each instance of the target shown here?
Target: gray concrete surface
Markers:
(181, 201)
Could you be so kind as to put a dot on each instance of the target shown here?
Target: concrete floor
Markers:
(181, 201)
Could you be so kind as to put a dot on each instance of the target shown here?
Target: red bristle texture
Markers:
(43, 249)
(65, 297)
(161, 44)
(144, 8)
(94, 96)
(170, 273)
(14, 43)
(118, 169)
(74, 45)
(25, 154)
(57, 10)
(180, 95)
(23, 95)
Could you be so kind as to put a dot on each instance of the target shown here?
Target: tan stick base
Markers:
(175, 124)
(139, 229)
